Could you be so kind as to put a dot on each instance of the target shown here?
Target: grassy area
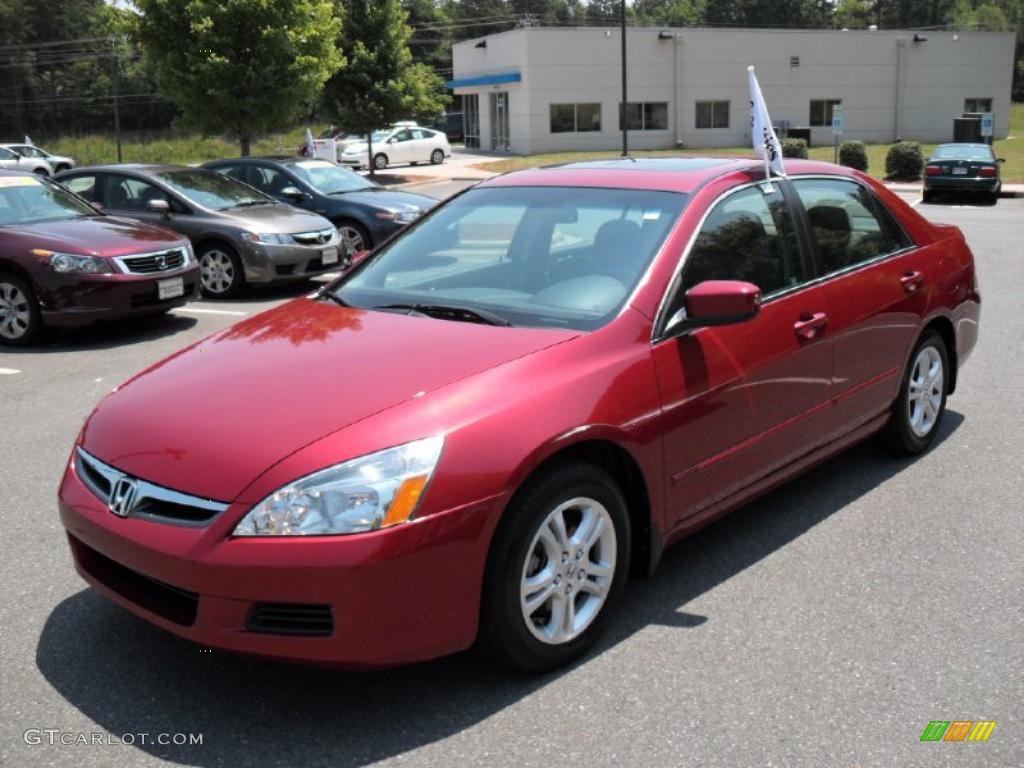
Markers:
(1012, 149)
(164, 148)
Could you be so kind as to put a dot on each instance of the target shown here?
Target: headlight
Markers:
(72, 262)
(401, 217)
(269, 238)
(364, 494)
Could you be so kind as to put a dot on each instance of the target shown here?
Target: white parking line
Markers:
(197, 311)
(8, 371)
(917, 202)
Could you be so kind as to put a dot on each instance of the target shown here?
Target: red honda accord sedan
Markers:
(65, 263)
(490, 421)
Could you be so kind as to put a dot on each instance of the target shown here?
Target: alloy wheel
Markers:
(569, 571)
(216, 271)
(15, 312)
(351, 240)
(925, 390)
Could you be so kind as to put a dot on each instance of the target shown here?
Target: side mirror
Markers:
(159, 206)
(293, 192)
(716, 302)
(392, 140)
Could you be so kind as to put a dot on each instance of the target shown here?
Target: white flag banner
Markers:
(310, 144)
(28, 140)
(766, 143)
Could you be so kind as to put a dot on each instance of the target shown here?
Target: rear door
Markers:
(743, 400)
(875, 281)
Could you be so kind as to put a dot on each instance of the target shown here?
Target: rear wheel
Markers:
(437, 157)
(220, 271)
(20, 318)
(557, 564)
(927, 196)
(921, 403)
(40, 171)
(380, 161)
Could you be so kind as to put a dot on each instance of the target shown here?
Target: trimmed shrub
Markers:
(853, 154)
(794, 148)
(904, 161)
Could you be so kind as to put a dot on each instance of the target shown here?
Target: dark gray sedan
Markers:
(971, 168)
(239, 234)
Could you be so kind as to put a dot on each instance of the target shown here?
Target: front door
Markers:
(499, 122)
(743, 400)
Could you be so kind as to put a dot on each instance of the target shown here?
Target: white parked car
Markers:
(396, 146)
(57, 162)
(13, 161)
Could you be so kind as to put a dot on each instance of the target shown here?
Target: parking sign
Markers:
(988, 121)
(838, 121)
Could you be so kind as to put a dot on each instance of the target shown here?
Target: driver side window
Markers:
(126, 193)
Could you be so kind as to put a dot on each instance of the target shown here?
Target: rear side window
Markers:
(83, 186)
(847, 225)
(748, 236)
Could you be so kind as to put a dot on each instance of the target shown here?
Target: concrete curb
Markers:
(1008, 190)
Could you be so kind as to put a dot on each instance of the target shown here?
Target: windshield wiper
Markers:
(448, 312)
(249, 204)
(333, 297)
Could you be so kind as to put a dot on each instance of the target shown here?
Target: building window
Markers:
(794, 61)
(821, 111)
(646, 115)
(712, 114)
(977, 105)
(575, 118)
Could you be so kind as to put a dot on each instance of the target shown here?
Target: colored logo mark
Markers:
(958, 730)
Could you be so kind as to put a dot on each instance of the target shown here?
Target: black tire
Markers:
(17, 295)
(219, 289)
(992, 199)
(40, 171)
(61, 168)
(901, 436)
(380, 161)
(414, 162)
(437, 157)
(359, 230)
(927, 196)
(504, 634)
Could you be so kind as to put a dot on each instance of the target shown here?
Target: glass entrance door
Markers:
(499, 122)
(471, 120)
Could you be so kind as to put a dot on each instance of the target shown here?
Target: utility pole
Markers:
(624, 109)
(114, 94)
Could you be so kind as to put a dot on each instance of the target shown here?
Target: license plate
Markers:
(329, 256)
(170, 289)
(959, 171)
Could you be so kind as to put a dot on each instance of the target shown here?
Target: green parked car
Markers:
(963, 168)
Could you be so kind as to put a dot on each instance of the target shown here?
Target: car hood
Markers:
(97, 236)
(388, 199)
(212, 418)
(277, 218)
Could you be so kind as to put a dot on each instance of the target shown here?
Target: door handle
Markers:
(911, 281)
(810, 325)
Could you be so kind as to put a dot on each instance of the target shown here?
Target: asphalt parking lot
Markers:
(824, 625)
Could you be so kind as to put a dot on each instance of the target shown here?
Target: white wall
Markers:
(861, 68)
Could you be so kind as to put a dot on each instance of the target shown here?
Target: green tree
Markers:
(381, 83)
(243, 67)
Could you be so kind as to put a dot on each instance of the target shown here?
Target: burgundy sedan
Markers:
(65, 263)
(492, 420)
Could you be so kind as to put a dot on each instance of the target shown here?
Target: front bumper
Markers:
(395, 596)
(71, 300)
(268, 263)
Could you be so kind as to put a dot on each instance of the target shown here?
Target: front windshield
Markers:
(963, 152)
(213, 190)
(26, 199)
(380, 136)
(329, 178)
(536, 256)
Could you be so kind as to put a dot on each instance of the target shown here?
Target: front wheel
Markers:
(921, 403)
(437, 157)
(380, 161)
(558, 562)
(20, 318)
(353, 237)
(220, 271)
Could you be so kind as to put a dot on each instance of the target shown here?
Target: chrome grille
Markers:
(320, 237)
(149, 501)
(161, 261)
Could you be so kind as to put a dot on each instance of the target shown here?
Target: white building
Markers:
(558, 89)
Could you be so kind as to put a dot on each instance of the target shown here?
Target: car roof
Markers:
(145, 168)
(282, 159)
(670, 174)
